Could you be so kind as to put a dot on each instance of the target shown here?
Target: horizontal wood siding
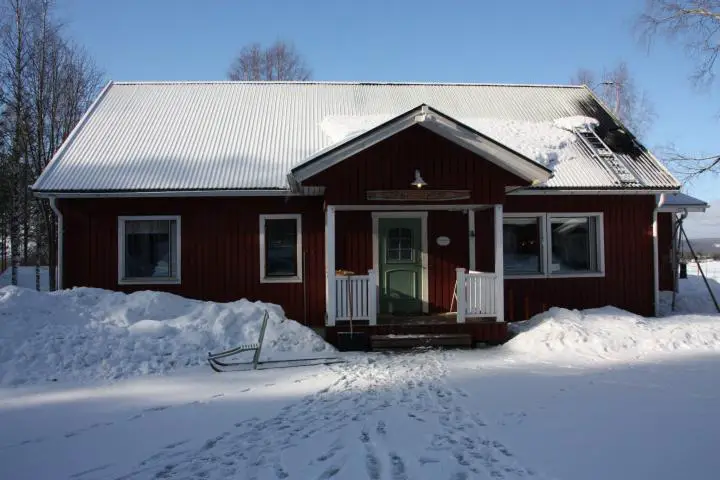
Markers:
(391, 165)
(665, 249)
(628, 280)
(485, 240)
(220, 251)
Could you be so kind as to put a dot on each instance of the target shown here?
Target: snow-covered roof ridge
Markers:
(240, 135)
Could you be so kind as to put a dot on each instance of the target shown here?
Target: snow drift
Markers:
(88, 334)
(613, 334)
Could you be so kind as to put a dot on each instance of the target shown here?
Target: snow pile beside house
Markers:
(613, 334)
(547, 143)
(89, 334)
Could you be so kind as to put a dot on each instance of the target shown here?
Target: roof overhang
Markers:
(435, 121)
(304, 192)
(679, 202)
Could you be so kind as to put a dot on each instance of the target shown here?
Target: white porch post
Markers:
(372, 297)
(471, 239)
(499, 267)
(330, 265)
(461, 295)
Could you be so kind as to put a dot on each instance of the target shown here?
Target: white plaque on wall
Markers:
(443, 241)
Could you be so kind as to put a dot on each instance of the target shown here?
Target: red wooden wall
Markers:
(629, 278)
(220, 251)
(391, 164)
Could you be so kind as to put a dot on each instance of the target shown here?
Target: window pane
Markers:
(522, 245)
(574, 245)
(281, 247)
(150, 248)
(399, 245)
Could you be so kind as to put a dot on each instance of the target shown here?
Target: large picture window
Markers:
(553, 244)
(280, 248)
(149, 249)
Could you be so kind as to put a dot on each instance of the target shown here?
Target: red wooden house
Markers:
(404, 207)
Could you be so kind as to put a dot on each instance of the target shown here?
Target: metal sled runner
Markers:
(214, 359)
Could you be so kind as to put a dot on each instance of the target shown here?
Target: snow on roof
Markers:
(249, 135)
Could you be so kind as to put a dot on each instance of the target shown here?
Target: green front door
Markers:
(400, 265)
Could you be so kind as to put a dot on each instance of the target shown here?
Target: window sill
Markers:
(281, 280)
(149, 281)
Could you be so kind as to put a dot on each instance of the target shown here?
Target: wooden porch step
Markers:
(380, 342)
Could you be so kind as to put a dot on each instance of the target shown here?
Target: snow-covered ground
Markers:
(26, 278)
(575, 395)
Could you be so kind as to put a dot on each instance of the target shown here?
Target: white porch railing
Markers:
(356, 297)
(477, 295)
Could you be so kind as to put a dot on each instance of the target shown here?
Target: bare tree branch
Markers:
(280, 61)
(617, 89)
(695, 24)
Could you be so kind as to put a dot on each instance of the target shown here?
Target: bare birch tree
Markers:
(46, 84)
(694, 24)
(617, 88)
(280, 61)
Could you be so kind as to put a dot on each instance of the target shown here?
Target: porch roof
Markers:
(435, 121)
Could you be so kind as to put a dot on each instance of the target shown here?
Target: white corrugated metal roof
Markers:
(249, 135)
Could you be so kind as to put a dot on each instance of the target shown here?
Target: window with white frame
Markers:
(280, 248)
(149, 249)
(553, 244)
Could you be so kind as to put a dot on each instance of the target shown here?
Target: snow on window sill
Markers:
(554, 275)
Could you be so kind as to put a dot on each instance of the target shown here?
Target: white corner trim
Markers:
(298, 248)
(60, 244)
(423, 216)
(122, 280)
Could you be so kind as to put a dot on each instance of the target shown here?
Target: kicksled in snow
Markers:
(214, 359)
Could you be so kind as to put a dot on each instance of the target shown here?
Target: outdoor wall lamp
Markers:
(418, 182)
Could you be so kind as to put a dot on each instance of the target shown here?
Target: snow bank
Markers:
(547, 143)
(88, 334)
(614, 334)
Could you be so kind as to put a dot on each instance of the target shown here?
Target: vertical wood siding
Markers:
(220, 250)
(391, 164)
(628, 281)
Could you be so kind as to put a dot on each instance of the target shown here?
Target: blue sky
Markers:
(525, 41)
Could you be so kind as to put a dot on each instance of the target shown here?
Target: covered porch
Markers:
(413, 265)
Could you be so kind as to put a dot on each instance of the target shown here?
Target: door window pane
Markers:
(150, 248)
(400, 245)
(574, 244)
(522, 245)
(281, 247)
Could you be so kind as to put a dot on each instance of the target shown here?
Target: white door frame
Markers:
(422, 215)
